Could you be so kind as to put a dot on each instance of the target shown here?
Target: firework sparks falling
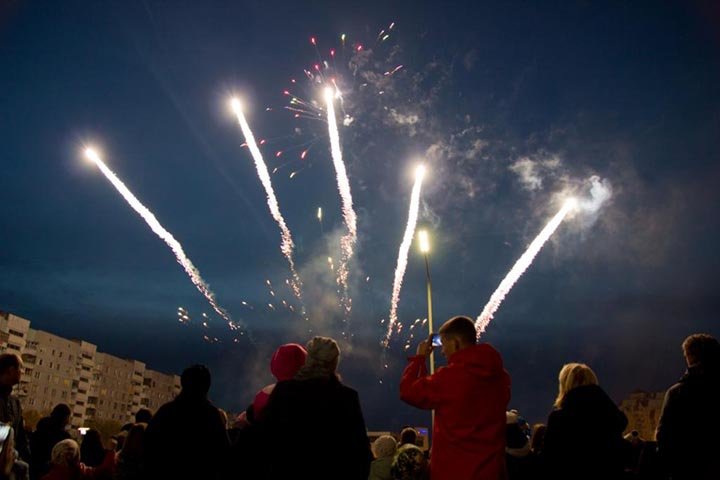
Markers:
(522, 264)
(160, 231)
(404, 249)
(287, 244)
(347, 243)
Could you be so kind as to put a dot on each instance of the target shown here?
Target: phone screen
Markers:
(436, 340)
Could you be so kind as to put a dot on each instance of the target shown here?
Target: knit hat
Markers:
(322, 357)
(287, 361)
(384, 446)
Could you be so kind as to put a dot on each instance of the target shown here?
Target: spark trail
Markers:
(287, 244)
(522, 264)
(347, 242)
(404, 249)
(166, 236)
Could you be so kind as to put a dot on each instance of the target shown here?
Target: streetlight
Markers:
(425, 250)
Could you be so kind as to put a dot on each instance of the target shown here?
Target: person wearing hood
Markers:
(469, 396)
(688, 445)
(187, 437)
(584, 433)
(383, 449)
(284, 365)
(325, 414)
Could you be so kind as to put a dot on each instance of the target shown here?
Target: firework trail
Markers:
(347, 242)
(522, 264)
(166, 236)
(287, 243)
(404, 249)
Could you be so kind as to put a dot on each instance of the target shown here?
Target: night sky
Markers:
(511, 104)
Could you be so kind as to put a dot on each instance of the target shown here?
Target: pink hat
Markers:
(287, 361)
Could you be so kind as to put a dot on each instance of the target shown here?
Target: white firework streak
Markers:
(166, 236)
(522, 264)
(287, 244)
(404, 249)
(347, 242)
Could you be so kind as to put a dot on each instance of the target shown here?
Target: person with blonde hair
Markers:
(583, 438)
(65, 464)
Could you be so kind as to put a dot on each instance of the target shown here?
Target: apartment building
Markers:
(643, 411)
(95, 385)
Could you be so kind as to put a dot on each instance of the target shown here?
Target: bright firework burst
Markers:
(347, 242)
(404, 249)
(166, 236)
(522, 264)
(287, 244)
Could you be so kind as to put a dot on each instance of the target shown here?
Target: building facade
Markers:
(643, 411)
(95, 385)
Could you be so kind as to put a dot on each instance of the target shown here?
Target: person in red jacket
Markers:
(469, 396)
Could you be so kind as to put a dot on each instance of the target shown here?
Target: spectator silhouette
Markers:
(187, 437)
(49, 431)
(518, 454)
(10, 408)
(325, 413)
(11, 467)
(410, 464)
(584, 433)
(65, 464)
(408, 435)
(130, 461)
(284, 365)
(687, 445)
(469, 396)
(383, 450)
(92, 452)
(143, 415)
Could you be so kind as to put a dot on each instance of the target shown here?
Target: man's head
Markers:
(408, 435)
(702, 349)
(10, 369)
(143, 416)
(195, 381)
(61, 414)
(456, 334)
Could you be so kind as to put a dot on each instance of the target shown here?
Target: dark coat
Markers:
(11, 414)
(48, 432)
(186, 438)
(688, 442)
(584, 437)
(314, 429)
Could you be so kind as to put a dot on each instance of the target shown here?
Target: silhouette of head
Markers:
(195, 381)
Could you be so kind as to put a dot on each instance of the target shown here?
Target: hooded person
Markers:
(284, 365)
(316, 405)
(469, 396)
(383, 449)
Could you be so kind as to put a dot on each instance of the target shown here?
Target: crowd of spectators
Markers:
(475, 436)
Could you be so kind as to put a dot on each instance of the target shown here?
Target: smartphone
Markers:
(436, 340)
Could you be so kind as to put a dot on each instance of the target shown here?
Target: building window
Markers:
(16, 333)
(13, 347)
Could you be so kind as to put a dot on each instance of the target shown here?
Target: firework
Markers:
(522, 264)
(287, 244)
(404, 249)
(166, 236)
(347, 243)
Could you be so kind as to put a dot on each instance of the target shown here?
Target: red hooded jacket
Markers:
(469, 397)
(287, 360)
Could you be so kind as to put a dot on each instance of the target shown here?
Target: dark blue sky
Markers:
(510, 103)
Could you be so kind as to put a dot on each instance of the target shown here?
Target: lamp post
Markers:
(425, 250)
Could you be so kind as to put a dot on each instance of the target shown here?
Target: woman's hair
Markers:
(92, 451)
(7, 455)
(573, 375)
(65, 453)
(384, 446)
(135, 441)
